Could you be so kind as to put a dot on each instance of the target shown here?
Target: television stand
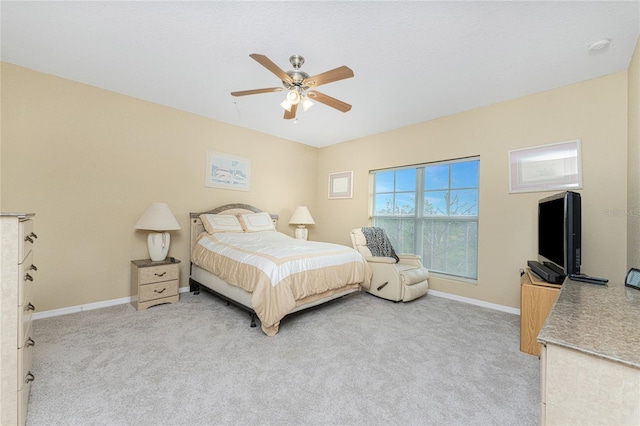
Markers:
(536, 299)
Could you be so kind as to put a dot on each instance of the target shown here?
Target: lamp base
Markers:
(158, 244)
(302, 233)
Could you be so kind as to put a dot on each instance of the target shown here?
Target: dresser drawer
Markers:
(25, 377)
(158, 290)
(26, 238)
(23, 403)
(25, 278)
(154, 274)
(25, 359)
(25, 314)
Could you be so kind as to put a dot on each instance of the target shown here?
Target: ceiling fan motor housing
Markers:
(296, 75)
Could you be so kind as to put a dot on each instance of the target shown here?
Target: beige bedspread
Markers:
(279, 270)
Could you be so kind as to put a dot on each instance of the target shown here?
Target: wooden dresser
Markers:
(16, 286)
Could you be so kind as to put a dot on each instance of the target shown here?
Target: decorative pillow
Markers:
(254, 222)
(221, 223)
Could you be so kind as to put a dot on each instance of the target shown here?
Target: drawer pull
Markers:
(32, 268)
(160, 275)
(33, 235)
(30, 307)
(160, 291)
(28, 239)
(28, 277)
(30, 342)
(29, 377)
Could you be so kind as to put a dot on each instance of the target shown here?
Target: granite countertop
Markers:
(18, 214)
(603, 321)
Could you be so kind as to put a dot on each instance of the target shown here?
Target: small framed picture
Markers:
(227, 171)
(341, 185)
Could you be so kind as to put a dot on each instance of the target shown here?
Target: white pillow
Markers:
(221, 223)
(254, 222)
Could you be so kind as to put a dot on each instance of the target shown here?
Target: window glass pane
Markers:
(461, 249)
(435, 203)
(406, 180)
(383, 204)
(384, 181)
(401, 233)
(405, 203)
(464, 202)
(451, 247)
(436, 177)
(464, 175)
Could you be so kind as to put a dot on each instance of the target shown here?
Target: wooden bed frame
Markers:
(200, 278)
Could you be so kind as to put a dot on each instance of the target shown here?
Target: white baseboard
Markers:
(476, 302)
(89, 306)
(124, 300)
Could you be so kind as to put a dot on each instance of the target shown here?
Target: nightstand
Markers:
(154, 283)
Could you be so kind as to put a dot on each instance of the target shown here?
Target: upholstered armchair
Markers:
(402, 281)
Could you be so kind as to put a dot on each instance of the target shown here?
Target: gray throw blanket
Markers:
(379, 243)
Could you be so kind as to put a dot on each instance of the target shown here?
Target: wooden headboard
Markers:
(196, 224)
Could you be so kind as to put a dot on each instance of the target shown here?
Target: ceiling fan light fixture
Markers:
(293, 97)
(306, 104)
(286, 104)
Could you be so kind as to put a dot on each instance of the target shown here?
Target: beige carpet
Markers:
(357, 361)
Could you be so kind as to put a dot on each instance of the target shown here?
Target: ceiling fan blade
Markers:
(256, 91)
(288, 115)
(328, 100)
(268, 64)
(335, 74)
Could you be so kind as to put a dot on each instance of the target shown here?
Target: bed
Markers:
(237, 254)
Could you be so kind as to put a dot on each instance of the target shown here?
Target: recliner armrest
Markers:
(410, 256)
(380, 259)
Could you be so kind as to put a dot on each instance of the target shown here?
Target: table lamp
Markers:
(158, 218)
(301, 217)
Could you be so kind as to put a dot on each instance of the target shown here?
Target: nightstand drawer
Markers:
(154, 274)
(158, 290)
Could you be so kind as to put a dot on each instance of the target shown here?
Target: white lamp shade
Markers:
(158, 217)
(301, 216)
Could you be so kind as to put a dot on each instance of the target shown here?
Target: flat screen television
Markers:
(560, 232)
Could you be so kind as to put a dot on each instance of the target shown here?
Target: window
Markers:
(432, 210)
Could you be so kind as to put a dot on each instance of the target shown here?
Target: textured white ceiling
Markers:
(413, 61)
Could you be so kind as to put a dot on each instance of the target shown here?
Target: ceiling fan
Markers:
(299, 85)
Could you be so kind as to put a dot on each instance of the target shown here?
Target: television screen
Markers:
(559, 232)
(551, 227)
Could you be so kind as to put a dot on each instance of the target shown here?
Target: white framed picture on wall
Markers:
(341, 185)
(227, 171)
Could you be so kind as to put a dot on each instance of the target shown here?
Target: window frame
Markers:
(419, 219)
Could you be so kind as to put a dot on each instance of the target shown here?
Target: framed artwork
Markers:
(227, 171)
(552, 167)
(341, 185)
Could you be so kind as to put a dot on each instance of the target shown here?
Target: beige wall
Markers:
(88, 162)
(633, 163)
(594, 111)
